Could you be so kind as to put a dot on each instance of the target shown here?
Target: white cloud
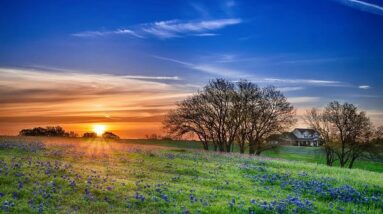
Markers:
(305, 81)
(364, 87)
(303, 100)
(106, 33)
(287, 89)
(210, 69)
(364, 6)
(168, 29)
(237, 74)
(151, 77)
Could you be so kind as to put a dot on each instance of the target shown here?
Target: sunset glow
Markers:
(127, 71)
(99, 129)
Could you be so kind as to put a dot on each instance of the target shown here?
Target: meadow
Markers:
(50, 175)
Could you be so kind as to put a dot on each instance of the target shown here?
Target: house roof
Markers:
(311, 136)
(302, 130)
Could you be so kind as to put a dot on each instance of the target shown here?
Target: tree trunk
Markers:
(228, 147)
(205, 146)
(242, 148)
(251, 148)
(329, 156)
(258, 149)
(221, 147)
(352, 162)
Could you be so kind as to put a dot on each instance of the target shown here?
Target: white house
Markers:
(305, 137)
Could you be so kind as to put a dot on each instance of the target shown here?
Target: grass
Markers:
(306, 154)
(136, 176)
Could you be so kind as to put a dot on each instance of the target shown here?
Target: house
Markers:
(298, 137)
(305, 137)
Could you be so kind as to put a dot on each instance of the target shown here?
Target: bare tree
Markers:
(347, 132)
(220, 111)
(270, 114)
(189, 118)
(247, 97)
(352, 130)
(224, 112)
(327, 133)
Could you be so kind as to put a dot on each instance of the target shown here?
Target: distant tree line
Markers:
(224, 113)
(58, 131)
(105, 135)
(52, 131)
(347, 133)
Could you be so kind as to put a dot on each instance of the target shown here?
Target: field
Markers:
(50, 175)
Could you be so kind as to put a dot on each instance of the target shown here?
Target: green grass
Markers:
(118, 175)
(306, 154)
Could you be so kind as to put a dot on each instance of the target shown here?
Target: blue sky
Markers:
(314, 51)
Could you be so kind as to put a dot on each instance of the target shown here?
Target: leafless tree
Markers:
(347, 132)
(189, 118)
(326, 130)
(221, 113)
(352, 129)
(247, 98)
(224, 112)
(269, 114)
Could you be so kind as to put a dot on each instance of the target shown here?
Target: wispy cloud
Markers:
(364, 87)
(37, 97)
(106, 33)
(293, 88)
(237, 74)
(168, 29)
(206, 68)
(72, 71)
(305, 81)
(364, 6)
(303, 100)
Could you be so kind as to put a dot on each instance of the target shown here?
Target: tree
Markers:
(347, 132)
(211, 115)
(188, 118)
(352, 129)
(248, 96)
(110, 135)
(89, 135)
(224, 113)
(269, 114)
(71, 134)
(326, 130)
(221, 113)
(51, 131)
(54, 131)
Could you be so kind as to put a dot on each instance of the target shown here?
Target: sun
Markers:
(99, 129)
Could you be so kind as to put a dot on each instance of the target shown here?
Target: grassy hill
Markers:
(306, 154)
(50, 175)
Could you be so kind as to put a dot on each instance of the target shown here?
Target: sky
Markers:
(126, 63)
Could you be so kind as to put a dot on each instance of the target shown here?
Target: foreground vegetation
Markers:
(49, 175)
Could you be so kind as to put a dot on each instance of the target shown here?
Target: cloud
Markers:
(305, 81)
(238, 74)
(287, 89)
(106, 33)
(26, 92)
(303, 100)
(364, 87)
(168, 29)
(363, 6)
(206, 68)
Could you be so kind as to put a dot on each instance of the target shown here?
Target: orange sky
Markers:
(130, 106)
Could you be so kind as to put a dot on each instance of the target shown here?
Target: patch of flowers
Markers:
(322, 188)
(30, 146)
